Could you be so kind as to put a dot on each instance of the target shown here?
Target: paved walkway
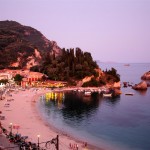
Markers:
(5, 144)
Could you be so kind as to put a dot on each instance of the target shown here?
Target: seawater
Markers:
(121, 123)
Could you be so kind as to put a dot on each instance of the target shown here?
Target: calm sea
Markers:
(121, 123)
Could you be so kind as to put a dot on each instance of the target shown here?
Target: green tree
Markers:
(18, 78)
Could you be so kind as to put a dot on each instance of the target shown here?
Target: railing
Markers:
(21, 143)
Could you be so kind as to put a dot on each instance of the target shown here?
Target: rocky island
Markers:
(141, 86)
(146, 76)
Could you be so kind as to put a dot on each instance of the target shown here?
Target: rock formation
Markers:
(141, 86)
(22, 46)
(146, 76)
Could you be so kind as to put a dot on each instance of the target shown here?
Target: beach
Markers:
(20, 109)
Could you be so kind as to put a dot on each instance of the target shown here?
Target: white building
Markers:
(5, 76)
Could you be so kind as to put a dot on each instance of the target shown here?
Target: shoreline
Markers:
(58, 131)
(23, 112)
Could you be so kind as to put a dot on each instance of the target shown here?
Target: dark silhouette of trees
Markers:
(18, 79)
(112, 73)
(73, 64)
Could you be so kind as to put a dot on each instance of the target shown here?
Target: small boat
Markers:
(127, 65)
(107, 95)
(87, 93)
(131, 94)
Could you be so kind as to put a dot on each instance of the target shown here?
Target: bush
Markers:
(112, 74)
(18, 79)
(93, 82)
(102, 82)
(4, 81)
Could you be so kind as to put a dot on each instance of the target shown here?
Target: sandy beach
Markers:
(20, 109)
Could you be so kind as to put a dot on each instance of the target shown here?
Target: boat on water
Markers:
(107, 95)
(87, 93)
(130, 94)
(127, 65)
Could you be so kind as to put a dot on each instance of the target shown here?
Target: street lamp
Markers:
(10, 128)
(38, 136)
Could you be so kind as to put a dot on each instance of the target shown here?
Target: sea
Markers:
(119, 123)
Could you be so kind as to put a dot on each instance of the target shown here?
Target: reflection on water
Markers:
(56, 97)
(72, 104)
(142, 92)
(76, 106)
(76, 100)
(112, 100)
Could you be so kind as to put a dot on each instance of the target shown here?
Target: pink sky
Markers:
(112, 30)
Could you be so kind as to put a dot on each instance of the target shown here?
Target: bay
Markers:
(121, 123)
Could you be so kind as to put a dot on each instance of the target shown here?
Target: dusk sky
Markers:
(112, 30)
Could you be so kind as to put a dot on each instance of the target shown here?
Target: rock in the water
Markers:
(141, 86)
(146, 76)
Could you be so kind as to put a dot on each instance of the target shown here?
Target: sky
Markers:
(111, 30)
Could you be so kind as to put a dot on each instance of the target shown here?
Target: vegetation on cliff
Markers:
(72, 65)
(108, 77)
(18, 44)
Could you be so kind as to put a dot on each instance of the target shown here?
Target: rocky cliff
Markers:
(141, 86)
(22, 46)
(146, 76)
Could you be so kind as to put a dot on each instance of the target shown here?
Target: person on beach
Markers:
(73, 146)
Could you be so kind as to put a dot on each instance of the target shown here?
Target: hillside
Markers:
(23, 46)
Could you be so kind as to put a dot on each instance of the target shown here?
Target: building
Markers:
(29, 76)
(5, 76)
